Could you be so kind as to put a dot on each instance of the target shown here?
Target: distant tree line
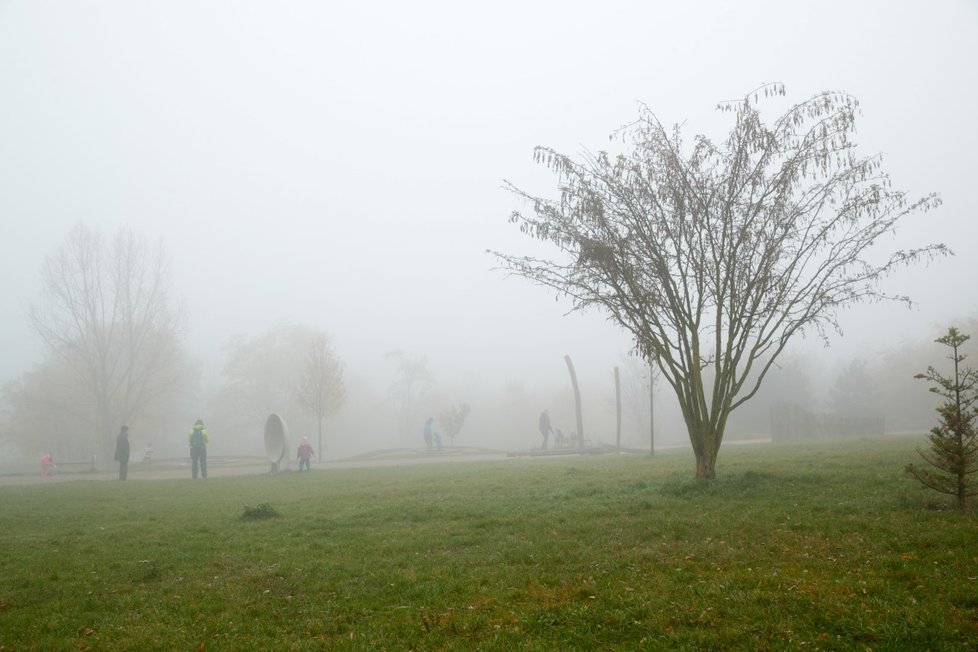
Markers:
(115, 355)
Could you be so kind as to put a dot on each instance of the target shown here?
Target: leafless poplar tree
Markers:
(263, 375)
(320, 389)
(106, 316)
(716, 255)
(412, 384)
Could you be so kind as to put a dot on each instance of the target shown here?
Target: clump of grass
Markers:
(258, 512)
(149, 571)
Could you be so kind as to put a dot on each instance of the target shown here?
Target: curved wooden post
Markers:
(577, 401)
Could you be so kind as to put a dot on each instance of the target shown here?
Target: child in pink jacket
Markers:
(305, 454)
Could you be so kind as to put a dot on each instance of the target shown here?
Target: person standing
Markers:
(545, 428)
(428, 436)
(305, 454)
(47, 465)
(198, 449)
(122, 451)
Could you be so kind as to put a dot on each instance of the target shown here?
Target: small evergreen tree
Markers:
(953, 453)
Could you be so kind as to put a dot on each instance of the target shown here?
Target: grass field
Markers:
(816, 547)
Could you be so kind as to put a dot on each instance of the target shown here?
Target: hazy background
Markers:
(339, 165)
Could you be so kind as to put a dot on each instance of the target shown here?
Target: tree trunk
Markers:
(706, 466)
(705, 441)
(105, 448)
(320, 442)
(960, 456)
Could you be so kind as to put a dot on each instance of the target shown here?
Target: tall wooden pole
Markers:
(577, 401)
(651, 409)
(617, 412)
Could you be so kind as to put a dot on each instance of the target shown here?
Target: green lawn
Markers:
(792, 548)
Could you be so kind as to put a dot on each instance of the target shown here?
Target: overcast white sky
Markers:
(339, 164)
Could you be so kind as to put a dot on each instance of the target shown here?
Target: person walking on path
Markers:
(122, 451)
(545, 428)
(305, 454)
(198, 449)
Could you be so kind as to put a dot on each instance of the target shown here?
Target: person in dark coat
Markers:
(122, 451)
(545, 428)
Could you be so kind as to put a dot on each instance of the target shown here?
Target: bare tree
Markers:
(261, 376)
(320, 389)
(853, 393)
(412, 383)
(107, 318)
(713, 256)
(44, 408)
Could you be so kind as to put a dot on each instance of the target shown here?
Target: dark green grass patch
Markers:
(258, 512)
(815, 547)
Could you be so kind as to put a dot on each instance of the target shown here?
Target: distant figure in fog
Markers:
(122, 451)
(47, 465)
(437, 441)
(305, 454)
(198, 449)
(148, 453)
(559, 438)
(545, 428)
(428, 436)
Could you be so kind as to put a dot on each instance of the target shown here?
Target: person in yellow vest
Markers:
(198, 449)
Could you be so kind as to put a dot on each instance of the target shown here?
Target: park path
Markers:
(176, 469)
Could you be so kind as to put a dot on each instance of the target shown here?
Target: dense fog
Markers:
(337, 169)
